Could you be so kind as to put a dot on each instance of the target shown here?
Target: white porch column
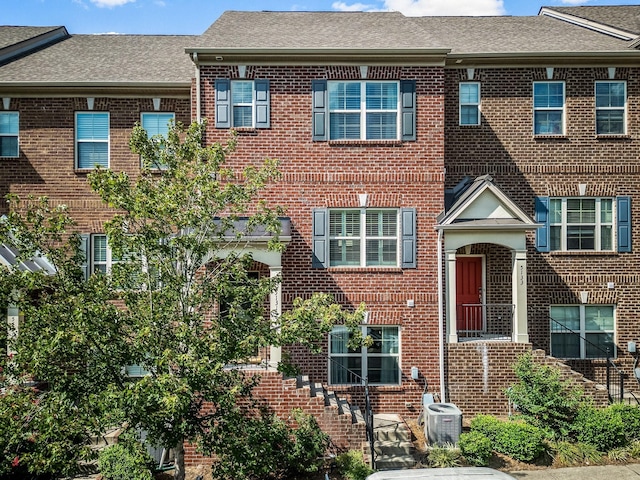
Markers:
(13, 322)
(519, 296)
(275, 306)
(451, 295)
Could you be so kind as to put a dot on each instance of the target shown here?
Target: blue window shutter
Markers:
(262, 113)
(409, 238)
(624, 224)
(223, 103)
(84, 251)
(408, 94)
(320, 238)
(543, 232)
(320, 110)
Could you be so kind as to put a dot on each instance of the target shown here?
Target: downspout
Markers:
(194, 58)
(443, 393)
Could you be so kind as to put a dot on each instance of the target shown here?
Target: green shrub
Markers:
(568, 454)
(443, 457)
(264, 446)
(600, 427)
(630, 416)
(476, 448)
(516, 439)
(126, 460)
(634, 449)
(352, 466)
(542, 398)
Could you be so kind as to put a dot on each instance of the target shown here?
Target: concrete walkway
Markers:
(605, 472)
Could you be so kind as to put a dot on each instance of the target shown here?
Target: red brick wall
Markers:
(323, 174)
(525, 166)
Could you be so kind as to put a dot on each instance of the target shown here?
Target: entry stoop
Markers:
(393, 446)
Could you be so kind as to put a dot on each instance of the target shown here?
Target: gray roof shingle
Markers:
(106, 59)
(10, 35)
(315, 30)
(623, 17)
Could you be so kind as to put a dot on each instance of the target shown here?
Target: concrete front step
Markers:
(393, 446)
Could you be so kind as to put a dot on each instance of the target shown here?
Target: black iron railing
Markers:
(614, 376)
(485, 320)
(339, 375)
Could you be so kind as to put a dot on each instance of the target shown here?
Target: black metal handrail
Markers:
(613, 372)
(354, 378)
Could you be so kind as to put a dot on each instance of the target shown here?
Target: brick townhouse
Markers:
(470, 179)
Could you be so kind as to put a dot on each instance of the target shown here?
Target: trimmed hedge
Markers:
(516, 439)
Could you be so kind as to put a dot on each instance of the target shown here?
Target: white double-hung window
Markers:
(582, 331)
(379, 363)
(364, 110)
(92, 139)
(581, 224)
(469, 103)
(548, 108)
(9, 129)
(363, 237)
(611, 103)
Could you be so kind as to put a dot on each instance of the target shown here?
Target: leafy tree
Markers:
(181, 231)
(543, 399)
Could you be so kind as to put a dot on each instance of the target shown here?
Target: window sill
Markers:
(245, 130)
(588, 253)
(364, 269)
(85, 170)
(550, 136)
(365, 143)
(613, 136)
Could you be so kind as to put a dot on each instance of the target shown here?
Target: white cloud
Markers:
(574, 2)
(432, 7)
(110, 3)
(354, 7)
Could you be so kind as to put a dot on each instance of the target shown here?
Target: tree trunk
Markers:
(179, 473)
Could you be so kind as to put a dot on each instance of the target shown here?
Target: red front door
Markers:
(469, 293)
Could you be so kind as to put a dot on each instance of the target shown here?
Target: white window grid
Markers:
(361, 233)
(554, 108)
(10, 134)
(236, 86)
(598, 224)
(363, 110)
(464, 102)
(612, 108)
(582, 330)
(363, 354)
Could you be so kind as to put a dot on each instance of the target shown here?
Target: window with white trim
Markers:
(102, 257)
(92, 139)
(470, 103)
(364, 110)
(379, 363)
(581, 223)
(363, 237)
(9, 130)
(242, 103)
(548, 108)
(157, 125)
(582, 331)
(611, 103)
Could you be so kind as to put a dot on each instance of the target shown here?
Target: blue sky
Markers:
(192, 17)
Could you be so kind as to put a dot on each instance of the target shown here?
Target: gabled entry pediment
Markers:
(481, 204)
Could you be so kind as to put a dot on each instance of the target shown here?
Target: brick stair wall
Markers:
(343, 422)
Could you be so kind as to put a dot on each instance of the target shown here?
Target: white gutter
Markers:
(443, 393)
(194, 58)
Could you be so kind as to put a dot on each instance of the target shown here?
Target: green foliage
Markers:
(352, 466)
(630, 417)
(569, 454)
(542, 398)
(516, 439)
(601, 427)
(40, 433)
(443, 457)
(264, 446)
(126, 460)
(183, 232)
(476, 448)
